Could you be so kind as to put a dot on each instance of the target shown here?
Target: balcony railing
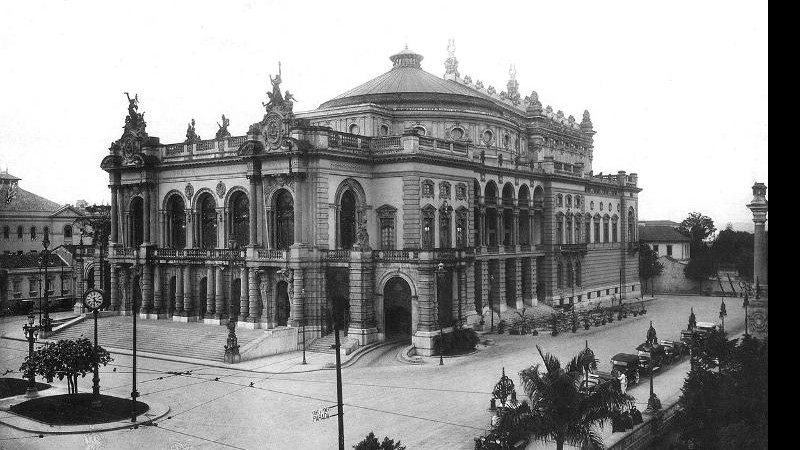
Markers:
(573, 247)
(396, 255)
(338, 255)
(271, 254)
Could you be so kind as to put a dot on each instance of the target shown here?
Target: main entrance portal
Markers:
(397, 308)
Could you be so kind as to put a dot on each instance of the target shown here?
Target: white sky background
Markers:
(677, 90)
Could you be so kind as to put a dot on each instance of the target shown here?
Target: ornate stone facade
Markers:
(352, 206)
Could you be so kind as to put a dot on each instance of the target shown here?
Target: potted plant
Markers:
(501, 327)
(586, 322)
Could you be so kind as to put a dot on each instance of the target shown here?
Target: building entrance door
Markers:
(397, 308)
(282, 304)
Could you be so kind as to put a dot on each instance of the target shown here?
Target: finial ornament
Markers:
(512, 72)
(586, 123)
(133, 135)
(451, 63)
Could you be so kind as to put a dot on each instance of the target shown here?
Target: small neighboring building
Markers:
(25, 219)
(665, 240)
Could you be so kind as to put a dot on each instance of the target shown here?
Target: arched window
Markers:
(588, 233)
(240, 218)
(67, 231)
(347, 220)
(614, 230)
(569, 275)
(461, 227)
(384, 130)
(284, 220)
(578, 273)
(631, 226)
(176, 222)
(559, 200)
(353, 129)
(577, 227)
(208, 222)
(137, 221)
(559, 229)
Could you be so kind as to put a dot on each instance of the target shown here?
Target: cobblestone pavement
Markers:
(425, 406)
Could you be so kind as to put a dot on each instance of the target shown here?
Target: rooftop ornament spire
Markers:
(513, 85)
(451, 63)
(406, 58)
(586, 123)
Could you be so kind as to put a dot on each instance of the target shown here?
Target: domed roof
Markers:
(407, 82)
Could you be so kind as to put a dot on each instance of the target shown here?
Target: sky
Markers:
(677, 90)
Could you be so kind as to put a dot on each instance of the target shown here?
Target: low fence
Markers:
(642, 436)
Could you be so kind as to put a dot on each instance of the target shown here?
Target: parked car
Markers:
(675, 349)
(598, 378)
(701, 331)
(626, 364)
(647, 352)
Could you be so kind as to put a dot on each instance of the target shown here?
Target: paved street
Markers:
(425, 406)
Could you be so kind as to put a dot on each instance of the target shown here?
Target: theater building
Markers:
(411, 201)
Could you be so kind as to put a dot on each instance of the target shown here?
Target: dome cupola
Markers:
(406, 58)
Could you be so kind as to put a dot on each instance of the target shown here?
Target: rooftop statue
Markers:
(223, 129)
(191, 135)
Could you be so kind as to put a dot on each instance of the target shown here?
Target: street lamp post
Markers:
(303, 306)
(46, 262)
(439, 274)
(491, 306)
(653, 403)
(137, 270)
(30, 331)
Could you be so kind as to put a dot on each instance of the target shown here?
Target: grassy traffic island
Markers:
(76, 409)
(10, 387)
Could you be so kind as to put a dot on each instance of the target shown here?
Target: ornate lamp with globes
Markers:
(93, 300)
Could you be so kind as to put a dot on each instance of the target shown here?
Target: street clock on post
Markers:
(93, 299)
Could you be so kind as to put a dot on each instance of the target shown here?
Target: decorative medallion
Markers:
(221, 189)
(189, 190)
(758, 320)
(274, 129)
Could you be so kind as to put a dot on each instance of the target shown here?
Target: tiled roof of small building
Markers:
(28, 201)
(657, 233)
(27, 261)
(4, 175)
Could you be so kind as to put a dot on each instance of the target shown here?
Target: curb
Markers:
(156, 411)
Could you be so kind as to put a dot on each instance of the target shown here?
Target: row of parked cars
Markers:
(628, 368)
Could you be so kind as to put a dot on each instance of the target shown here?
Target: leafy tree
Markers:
(649, 267)
(371, 443)
(735, 248)
(697, 227)
(560, 410)
(725, 396)
(66, 359)
(701, 265)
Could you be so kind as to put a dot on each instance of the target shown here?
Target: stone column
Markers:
(759, 207)
(179, 312)
(219, 294)
(147, 290)
(482, 224)
(79, 289)
(515, 227)
(210, 291)
(158, 305)
(244, 297)
(484, 273)
(427, 302)
(254, 296)
(296, 299)
(362, 301)
(114, 302)
(189, 307)
(500, 301)
(500, 233)
(534, 286)
(146, 214)
(253, 203)
(114, 214)
(125, 290)
(267, 299)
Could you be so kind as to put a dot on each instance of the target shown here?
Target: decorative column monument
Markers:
(758, 317)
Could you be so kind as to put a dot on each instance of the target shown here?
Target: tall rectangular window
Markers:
(655, 248)
(33, 233)
(596, 232)
(387, 233)
(19, 232)
(605, 232)
(6, 232)
(588, 235)
(614, 231)
(669, 250)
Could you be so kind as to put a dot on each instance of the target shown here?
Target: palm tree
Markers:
(560, 410)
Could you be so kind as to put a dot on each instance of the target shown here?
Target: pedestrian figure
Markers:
(636, 415)
(627, 421)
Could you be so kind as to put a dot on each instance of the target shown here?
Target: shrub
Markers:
(371, 443)
(501, 327)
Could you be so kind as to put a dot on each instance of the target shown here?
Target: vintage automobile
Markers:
(675, 349)
(655, 352)
(598, 378)
(626, 364)
(701, 331)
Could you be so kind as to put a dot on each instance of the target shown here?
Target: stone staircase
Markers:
(164, 337)
(325, 344)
